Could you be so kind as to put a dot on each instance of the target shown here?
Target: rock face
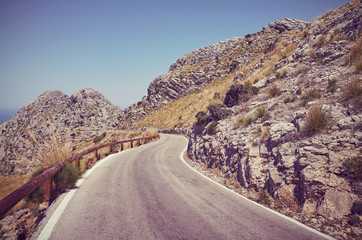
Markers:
(276, 152)
(53, 115)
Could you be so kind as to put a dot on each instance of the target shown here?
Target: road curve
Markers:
(150, 193)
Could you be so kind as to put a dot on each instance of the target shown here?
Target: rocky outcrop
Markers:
(266, 144)
(53, 115)
(199, 68)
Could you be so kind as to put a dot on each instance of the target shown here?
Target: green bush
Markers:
(353, 167)
(332, 85)
(211, 128)
(254, 90)
(263, 197)
(201, 118)
(66, 177)
(260, 112)
(244, 121)
(289, 99)
(37, 196)
(99, 138)
(281, 74)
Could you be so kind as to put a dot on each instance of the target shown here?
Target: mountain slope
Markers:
(53, 118)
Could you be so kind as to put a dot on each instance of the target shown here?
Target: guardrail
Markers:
(46, 177)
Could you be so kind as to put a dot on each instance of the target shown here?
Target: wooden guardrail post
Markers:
(47, 186)
(77, 161)
(95, 158)
(139, 142)
(110, 149)
(48, 172)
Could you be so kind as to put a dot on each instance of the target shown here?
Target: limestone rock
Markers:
(336, 204)
(281, 132)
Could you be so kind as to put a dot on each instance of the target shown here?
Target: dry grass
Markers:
(51, 150)
(182, 112)
(274, 90)
(245, 121)
(309, 95)
(9, 184)
(353, 89)
(356, 56)
(317, 119)
(321, 41)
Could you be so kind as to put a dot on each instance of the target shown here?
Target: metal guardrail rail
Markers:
(45, 178)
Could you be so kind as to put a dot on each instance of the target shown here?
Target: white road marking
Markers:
(268, 209)
(48, 228)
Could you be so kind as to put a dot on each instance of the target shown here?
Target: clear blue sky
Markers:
(119, 47)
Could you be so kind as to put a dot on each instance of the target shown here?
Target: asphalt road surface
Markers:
(150, 193)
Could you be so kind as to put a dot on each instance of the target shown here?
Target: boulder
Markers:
(287, 24)
(235, 95)
(337, 204)
(219, 111)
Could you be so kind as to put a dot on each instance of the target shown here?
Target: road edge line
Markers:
(268, 209)
(49, 226)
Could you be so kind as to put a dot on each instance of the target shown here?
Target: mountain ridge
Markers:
(53, 114)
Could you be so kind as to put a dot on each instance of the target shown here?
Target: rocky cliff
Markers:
(297, 136)
(279, 111)
(53, 116)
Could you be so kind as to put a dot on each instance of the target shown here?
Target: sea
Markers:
(6, 114)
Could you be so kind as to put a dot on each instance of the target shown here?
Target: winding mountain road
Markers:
(149, 192)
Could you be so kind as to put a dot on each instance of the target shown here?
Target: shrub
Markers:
(352, 90)
(219, 111)
(99, 137)
(289, 99)
(254, 90)
(263, 197)
(353, 168)
(66, 177)
(247, 84)
(211, 128)
(310, 95)
(274, 91)
(244, 121)
(281, 74)
(201, 118)
(320, 41)
(332, 85)
(37, 196)
(260, 112)
(302, 70)
(316, 120)
(356, 55)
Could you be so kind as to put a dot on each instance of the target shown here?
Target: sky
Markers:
(118, 47)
